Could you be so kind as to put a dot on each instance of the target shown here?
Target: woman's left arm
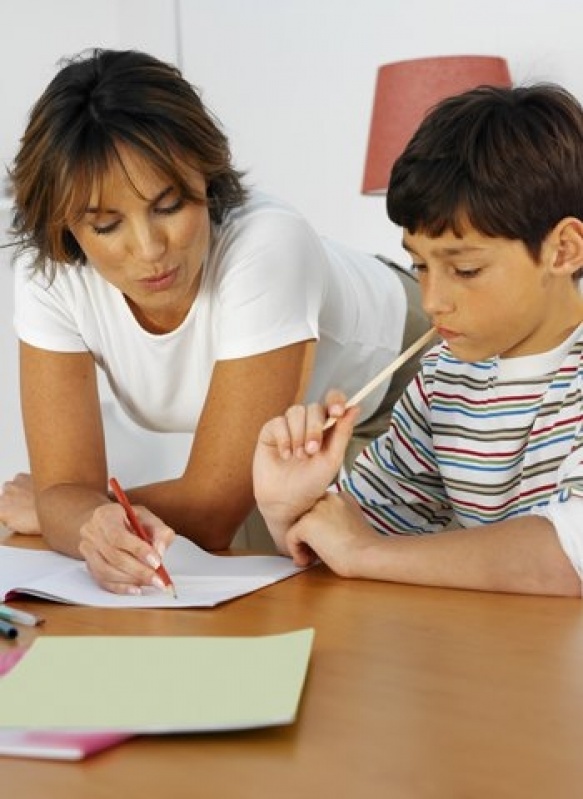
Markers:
(209, 501)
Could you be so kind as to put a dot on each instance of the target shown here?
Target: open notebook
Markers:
(48, 711)
(201, 579)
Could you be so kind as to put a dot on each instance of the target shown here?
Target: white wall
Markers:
(36, 34)
(292, 82)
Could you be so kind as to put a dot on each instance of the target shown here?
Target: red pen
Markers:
(139, 530)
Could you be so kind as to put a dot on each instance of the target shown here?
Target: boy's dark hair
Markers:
(507, 160)
(97, 101)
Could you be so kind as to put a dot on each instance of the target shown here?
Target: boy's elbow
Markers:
(561, 581)
(568, 585)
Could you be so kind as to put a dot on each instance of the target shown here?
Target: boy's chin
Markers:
(471, 354)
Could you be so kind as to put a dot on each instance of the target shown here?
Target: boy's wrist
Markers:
(370, 561)
(277, 526)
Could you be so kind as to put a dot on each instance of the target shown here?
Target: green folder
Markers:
(156, 684)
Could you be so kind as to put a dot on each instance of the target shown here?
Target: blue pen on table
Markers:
(19, 616)
(8, 630)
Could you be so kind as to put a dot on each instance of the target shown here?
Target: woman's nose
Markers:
(148, 242)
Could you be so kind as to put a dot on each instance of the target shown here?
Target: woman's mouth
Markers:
(160, 282)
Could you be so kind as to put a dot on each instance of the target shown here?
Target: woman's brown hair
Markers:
(97, 101)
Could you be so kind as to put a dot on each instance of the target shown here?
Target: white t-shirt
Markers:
(268, 281)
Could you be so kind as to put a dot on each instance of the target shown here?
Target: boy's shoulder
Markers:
(439, 365)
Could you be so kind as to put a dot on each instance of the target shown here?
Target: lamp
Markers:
(405, 91)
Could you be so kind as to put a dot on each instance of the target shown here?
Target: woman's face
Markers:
(146, 239)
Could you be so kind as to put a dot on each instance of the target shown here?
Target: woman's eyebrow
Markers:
(96, 209)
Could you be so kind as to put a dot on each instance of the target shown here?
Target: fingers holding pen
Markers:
(335, 405)
(305, 425)
(300, 432)
(117, 559)
(161, 536)
(296, 433)
(118, 579)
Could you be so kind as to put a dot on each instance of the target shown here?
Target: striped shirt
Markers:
(477, 443)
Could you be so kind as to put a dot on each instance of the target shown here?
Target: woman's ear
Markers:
(567, 242)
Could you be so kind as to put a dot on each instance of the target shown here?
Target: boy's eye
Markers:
(467, 273)
(418, 267)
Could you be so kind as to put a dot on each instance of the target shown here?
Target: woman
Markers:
(209, 307)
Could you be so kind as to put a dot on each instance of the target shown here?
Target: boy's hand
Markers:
(335, 531)
(117, 558)
(295, 462)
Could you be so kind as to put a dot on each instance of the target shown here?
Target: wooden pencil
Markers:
(389, 370)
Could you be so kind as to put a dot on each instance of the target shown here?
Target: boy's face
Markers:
(487, 296)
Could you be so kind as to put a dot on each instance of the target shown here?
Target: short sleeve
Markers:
(566, 519)
(273, 276)
(565, 510)
(44, 313)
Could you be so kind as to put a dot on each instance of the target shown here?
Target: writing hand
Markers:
(117, 559)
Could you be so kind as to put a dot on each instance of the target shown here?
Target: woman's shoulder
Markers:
(63, 283)
(261, 229)
(260, 202)
(262, 213)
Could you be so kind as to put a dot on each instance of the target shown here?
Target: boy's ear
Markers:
(567, 238)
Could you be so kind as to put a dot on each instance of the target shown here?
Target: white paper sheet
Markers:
(201, 579)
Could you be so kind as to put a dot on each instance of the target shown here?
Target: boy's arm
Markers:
(294, 464)
(525, 555)
(517, 556)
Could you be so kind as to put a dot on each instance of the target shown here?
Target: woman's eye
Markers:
(102, 230)
(418, 267)
(171, 209)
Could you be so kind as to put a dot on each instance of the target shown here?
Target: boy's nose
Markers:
(436, 297)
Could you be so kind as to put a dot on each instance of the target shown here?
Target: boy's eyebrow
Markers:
(463, 249)
(95, 209)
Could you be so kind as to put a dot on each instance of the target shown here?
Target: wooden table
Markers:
(412, 693)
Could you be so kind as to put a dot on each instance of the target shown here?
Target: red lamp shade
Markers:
(405, 91)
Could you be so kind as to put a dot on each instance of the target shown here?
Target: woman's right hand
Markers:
(117, 558)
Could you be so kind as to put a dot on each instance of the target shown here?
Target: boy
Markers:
(487, 440)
